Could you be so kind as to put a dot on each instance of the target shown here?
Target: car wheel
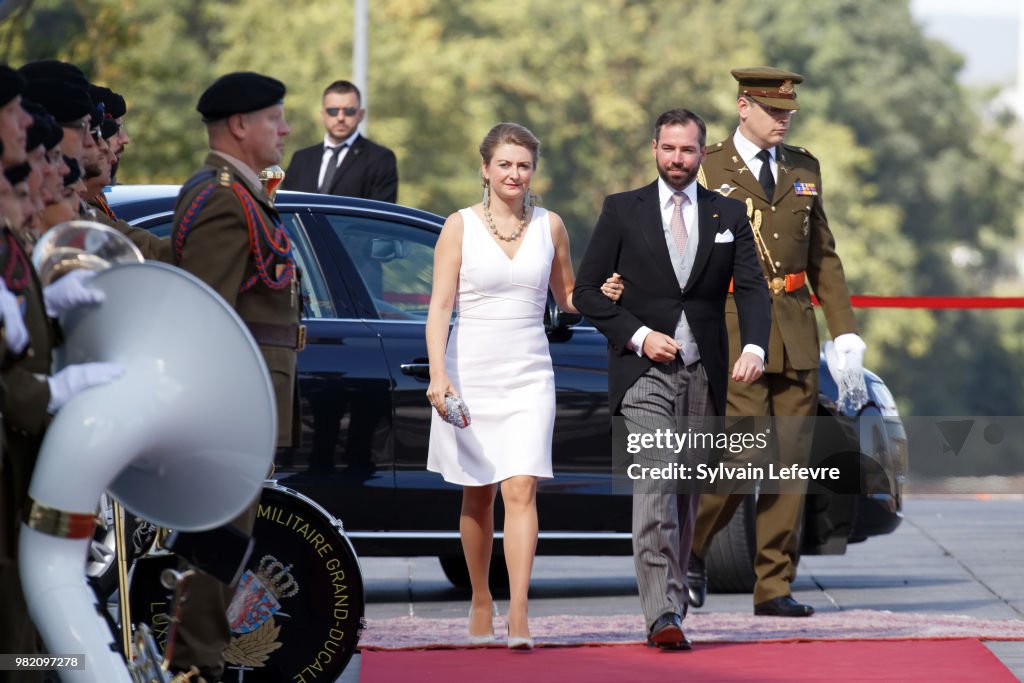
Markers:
(454, 567)
(730, 559)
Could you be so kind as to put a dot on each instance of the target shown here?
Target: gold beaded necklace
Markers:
(523, 222)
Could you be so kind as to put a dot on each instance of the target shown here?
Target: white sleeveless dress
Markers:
(498, 360)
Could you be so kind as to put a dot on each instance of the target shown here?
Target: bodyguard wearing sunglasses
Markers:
(346, 163)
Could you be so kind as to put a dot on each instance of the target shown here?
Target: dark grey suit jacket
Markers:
(629, 239)
(368, 170)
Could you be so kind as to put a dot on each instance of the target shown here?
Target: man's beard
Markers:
(687, 178)
(92, 171)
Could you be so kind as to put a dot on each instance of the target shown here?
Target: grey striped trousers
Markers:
(663, 520)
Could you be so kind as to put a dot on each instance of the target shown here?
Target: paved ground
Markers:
(950, 556)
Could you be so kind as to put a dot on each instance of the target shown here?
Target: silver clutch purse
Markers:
(457, 411)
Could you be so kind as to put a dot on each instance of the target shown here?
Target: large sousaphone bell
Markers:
(183, 439)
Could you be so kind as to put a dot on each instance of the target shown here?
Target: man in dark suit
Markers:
(346, 163)
(676, 246)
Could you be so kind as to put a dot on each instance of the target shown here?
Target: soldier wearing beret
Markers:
(14, 121)
(228, 233)
(32, 396)
(781, 186)
(113, 128)
(64, 92)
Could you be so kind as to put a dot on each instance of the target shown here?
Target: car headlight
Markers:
(883, 398)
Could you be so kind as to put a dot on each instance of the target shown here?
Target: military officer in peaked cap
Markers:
(228, 233)
(781, 186)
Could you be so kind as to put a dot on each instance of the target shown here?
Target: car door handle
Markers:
(415, 369)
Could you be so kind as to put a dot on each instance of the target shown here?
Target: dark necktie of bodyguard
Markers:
(332, 167)
(765, 177)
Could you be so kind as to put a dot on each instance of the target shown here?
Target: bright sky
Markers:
(986, 32)
(994, 8)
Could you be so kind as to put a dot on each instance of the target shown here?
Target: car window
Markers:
(316, 300)
(395, 262)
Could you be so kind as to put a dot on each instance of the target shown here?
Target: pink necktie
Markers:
(676, 225)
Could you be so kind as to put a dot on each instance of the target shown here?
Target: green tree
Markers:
(911, 170)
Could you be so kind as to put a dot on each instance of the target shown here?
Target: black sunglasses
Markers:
(348, 111)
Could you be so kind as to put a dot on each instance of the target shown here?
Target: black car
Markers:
(366, 279)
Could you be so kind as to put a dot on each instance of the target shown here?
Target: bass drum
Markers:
(298, 611)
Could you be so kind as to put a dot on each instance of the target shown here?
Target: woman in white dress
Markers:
(493, 263)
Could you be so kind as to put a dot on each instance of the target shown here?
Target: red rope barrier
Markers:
(933, 302)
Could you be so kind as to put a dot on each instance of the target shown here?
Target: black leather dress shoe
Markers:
(696, 581)
(784, 606)
(667, 633)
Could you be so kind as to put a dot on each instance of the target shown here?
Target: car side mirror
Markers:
(385, 250)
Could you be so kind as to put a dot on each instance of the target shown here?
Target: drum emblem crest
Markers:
(251, 612)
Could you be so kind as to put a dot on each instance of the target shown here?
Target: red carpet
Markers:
(917, 660)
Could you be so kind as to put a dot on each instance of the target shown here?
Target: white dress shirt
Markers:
(329, 149)
(748, 151)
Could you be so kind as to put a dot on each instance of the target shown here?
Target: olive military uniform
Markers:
(796, 248)
(151, 246)
(24, 421)
(212, 241)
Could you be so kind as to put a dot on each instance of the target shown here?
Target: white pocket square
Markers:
(724, 237)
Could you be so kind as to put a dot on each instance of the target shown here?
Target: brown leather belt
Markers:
(271, 334)
(788, 283)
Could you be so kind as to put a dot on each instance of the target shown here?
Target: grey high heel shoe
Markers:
(518, 642)
(478, 640)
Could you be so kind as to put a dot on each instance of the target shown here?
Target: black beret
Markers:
(65, 102)
(17, 173)
(39, 131)
(114, 106)
(96, 116)
(239, 93)
(53, 68)
(11, 84)
(74, 171)
(54, 136)
(109, 128)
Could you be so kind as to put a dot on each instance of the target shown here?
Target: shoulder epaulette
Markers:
(799, 150)
(200, 177)
(717, 147)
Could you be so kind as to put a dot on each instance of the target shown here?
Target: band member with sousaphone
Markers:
(32, 395)
(228, 233)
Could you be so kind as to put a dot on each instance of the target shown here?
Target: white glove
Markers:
(850, 349)
(70, 291)
(15, 332)
(844, 357)
(76, 378)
